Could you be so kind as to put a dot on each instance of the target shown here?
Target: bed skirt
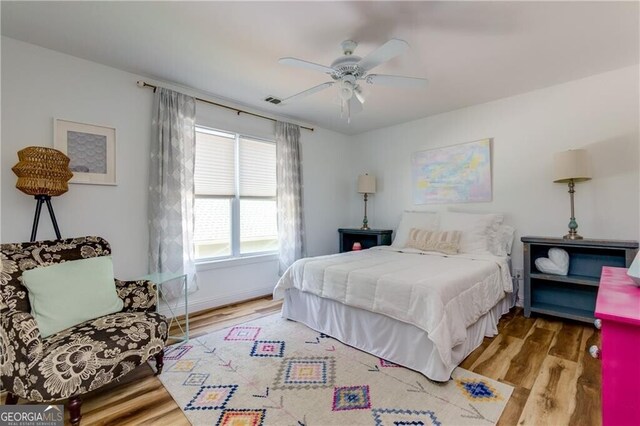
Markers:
(385, 337)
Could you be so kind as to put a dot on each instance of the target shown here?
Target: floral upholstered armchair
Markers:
(84, 357)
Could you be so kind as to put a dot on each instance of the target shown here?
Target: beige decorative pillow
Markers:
(446, 242)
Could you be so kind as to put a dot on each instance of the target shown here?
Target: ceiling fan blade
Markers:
(295, 62)
(390, 49)
(396, 81)
(355, 105)
(308, 92)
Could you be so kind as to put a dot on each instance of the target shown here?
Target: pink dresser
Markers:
(618, 312)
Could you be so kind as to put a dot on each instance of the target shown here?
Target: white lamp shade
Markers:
(366, 184)
(571, 165)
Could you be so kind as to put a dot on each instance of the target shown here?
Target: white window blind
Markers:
(215, 164)
(257, 168)
(235, 199)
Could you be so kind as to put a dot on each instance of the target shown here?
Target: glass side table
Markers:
(161, 279)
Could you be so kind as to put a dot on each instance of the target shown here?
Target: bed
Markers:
(423, 310)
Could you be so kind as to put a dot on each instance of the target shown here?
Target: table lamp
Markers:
(571, 167)
(43, 173)
(366, 186)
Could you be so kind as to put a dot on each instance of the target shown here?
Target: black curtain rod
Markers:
(238, 111)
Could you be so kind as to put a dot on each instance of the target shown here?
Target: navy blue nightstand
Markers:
(367, 238)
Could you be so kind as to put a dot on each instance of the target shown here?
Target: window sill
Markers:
(205, 265)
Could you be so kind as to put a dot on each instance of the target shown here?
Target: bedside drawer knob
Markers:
(597, 324)
(594, 351)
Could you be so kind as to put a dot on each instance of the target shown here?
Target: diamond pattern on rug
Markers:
(242, 417)
(195, 379)
(385, 363)
(305, 373)
(351, 398)
(268, 348)
(183, 366)
(211, 397)
(243, 333)
(176, 352)
(478, 390)
(399, 417)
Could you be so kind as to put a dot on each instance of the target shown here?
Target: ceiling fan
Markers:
(349, 70)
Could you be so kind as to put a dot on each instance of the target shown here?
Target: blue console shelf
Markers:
(571, 296)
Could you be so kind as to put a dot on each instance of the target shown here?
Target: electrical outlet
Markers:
(518, 274)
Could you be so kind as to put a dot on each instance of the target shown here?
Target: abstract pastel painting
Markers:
(454, 174)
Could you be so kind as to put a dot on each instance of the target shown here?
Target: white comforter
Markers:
(442, 295)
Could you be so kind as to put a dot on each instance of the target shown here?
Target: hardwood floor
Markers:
(556, 381)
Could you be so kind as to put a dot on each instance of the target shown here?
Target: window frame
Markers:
(234, 204)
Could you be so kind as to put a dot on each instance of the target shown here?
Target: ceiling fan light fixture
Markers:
(348, 80)
(358, 94)
(346, 93)
(346, 87)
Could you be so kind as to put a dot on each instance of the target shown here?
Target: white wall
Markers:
(40, 84)
(599, 113)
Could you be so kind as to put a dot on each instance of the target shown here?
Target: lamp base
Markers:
(40, 200)
(573, 236)
(365, 221)
(573, 226)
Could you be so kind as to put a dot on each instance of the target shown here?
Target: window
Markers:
(235, 195)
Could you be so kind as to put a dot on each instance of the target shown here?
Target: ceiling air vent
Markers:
(273, 100)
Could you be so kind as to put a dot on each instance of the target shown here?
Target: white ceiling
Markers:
(471, 52)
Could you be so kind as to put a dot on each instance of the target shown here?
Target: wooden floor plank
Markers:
(495, 360)
(473, 356)
(565, 389)
(547, 323)
(525, 365)
(122, 404)
(506, 318)
(518, 327)
(551, 400)
(567, 341)
(588, 407)
(514, 407)
(174, 417)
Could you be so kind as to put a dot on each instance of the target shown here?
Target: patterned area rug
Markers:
(276, 372)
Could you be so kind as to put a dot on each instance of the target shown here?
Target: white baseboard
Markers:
(197, 304)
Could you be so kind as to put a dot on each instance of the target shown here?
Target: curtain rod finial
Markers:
(140, 83)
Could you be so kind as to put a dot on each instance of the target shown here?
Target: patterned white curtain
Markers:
(291, 238)
(171, 188)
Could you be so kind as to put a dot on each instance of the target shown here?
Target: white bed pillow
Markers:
(500, 240)
(503, 240)
(420, 220)
(478, 230)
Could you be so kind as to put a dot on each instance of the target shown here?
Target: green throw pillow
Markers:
(72, 292)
